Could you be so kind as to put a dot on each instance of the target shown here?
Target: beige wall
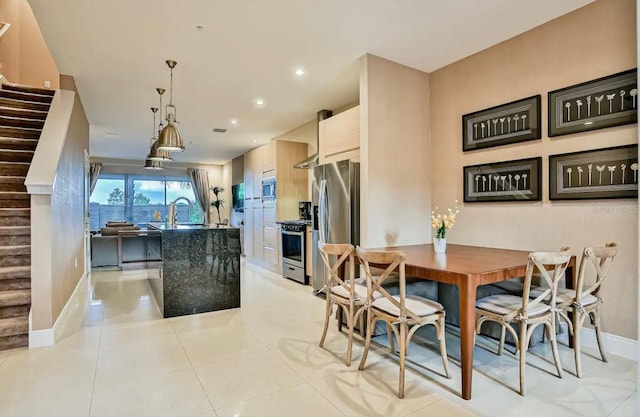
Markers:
(597, 40)
(60, 218)
(24, 54)
(395, 195)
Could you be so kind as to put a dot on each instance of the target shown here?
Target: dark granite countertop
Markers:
(188, 226)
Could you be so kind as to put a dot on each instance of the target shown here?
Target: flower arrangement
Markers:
(444, 222)
(218, 203)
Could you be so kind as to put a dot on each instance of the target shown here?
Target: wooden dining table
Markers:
(467, 267)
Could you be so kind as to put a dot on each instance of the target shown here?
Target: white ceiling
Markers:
(116, 50)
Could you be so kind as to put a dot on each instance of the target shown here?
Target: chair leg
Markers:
(367, 341)
(522, 341)
(350, 320)
(577, 320)
(402, 347)
(392, 346)
(554, 344)
(327, 316)
(362, 325)
(340, 314)
(596, 321)
(503, 334)
(443, 347)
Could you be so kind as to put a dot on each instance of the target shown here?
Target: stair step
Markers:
(23, 113)
(18, 143)
(14, 195)
(14, 311)
(14, 169)
(19, 122)
(16, 155)
(14, 342)
(15, 272)
(15, 230)
(15, 298)
(18, 95)
(18, 255)
(15, 284)
(29, 89)
(17, 132)
(14, 326)
(15, 216)
(18, 104)
(15, 250)
(10, 183)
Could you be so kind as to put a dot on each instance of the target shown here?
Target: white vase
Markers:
(439, 245)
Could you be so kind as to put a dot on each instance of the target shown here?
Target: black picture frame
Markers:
(579, 175)
(595, 104)
(514, 122)
(518, 180)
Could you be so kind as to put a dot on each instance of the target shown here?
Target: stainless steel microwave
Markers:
(269, 189)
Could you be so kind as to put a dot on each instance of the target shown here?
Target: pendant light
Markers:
(156, 154)
(170, 138)
(149, 163)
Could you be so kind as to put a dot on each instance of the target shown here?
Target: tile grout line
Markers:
(95, 372)
(621, 403)
(193, 369)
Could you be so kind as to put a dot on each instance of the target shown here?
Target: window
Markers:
(141, 199)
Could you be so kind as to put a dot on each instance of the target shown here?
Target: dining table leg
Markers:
(467, 291)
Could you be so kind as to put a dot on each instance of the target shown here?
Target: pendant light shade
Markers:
(156, 154)
(152, 165)
(170, 138)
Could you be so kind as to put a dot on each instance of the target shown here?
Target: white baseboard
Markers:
(77, 301)
(39, 338)
(616, 345)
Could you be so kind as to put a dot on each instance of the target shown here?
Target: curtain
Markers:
(200, 184)
(94, 171)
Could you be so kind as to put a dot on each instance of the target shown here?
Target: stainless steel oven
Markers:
(293, 251)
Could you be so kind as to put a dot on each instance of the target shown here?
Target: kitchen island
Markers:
(200, 269)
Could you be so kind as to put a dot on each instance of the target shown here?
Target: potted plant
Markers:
(218, 203)
(442, 223)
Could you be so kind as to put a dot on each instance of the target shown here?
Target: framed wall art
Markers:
(503, 181)
(605, 102)
(601, 173)
(513, 122)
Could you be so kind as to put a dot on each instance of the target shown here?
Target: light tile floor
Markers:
(263, 360)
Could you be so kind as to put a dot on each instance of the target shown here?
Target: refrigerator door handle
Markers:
(322, 211)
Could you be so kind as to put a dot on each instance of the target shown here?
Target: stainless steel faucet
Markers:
(173, 212)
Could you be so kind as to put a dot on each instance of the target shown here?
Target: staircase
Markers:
(23, 111)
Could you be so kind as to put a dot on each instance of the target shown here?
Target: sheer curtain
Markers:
(200, 184)
(94, 171)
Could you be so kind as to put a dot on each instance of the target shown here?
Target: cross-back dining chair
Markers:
(341, 288)
(403, 314)
(527, 312)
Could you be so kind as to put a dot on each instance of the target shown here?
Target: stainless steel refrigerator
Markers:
(336, 210)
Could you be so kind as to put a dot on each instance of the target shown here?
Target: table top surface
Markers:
(463, 260)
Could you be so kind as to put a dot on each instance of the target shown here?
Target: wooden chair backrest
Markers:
(388, 261)
(550, 266)
(335, 272)
(600, 259)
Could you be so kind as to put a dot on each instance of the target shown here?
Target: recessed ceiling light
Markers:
(113, 135)
(300, 72)
(259, 102)
(254, 141)
(234, 121)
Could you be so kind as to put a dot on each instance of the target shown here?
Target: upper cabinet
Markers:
(339, 136)
(253, 174)
(269, 159)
